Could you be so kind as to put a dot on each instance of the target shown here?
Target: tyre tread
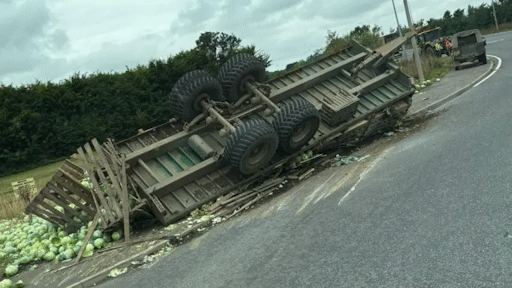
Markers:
(186, 86)
(293, 111)
(245, 134)
(231, 72)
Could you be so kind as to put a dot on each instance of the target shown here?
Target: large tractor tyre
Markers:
(237, 71)
(482, 58)
(190, 90)
(251, 147)
(296, 123)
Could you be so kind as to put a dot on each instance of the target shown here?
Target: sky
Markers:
(50, 40)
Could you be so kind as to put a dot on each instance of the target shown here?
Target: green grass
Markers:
(504, 27)
(12, 206)
(433, 67)
(440, 67)
(41, 176)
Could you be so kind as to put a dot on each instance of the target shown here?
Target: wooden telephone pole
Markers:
(417, 58)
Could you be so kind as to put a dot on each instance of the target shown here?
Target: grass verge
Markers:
(11, 205)
(492, 30)
(433, 68)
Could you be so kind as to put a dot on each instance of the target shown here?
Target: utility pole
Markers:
(495, 19)
(398, 24)
(417, 58)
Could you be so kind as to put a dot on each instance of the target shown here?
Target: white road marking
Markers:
(285, 200)
(495, 70)
(499, 40)
(361, 177)
(312, 195)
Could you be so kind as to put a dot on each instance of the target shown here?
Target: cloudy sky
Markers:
(52, 39)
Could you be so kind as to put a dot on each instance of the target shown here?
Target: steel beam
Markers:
(374, 83)
(310, 81)
(179, 180)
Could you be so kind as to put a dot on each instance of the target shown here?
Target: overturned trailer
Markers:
(236, 129)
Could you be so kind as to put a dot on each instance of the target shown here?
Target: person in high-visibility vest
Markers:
(438, 48)
(448, 45)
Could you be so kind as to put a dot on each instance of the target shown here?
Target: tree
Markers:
(217, 46)
(447, 15)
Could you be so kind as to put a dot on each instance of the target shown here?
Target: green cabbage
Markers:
(98, 243)
(69, 253)
(25, 260)
(50, 256)
(34, 239)
(89, 250)
(116, 236)
(97, 234)
(81, 235)
(6, 283)
(107, 238)
(11, 270)
(89, 246)
(53, 249)
(65, 240)
(40, 253)
(61, 257)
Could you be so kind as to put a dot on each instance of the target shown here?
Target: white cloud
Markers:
(22, 25)
(49, 40)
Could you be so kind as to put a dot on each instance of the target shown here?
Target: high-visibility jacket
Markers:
(438, 47)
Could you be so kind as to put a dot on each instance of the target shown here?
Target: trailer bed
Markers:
(177, 180)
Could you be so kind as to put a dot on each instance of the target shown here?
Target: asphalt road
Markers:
(432, 211)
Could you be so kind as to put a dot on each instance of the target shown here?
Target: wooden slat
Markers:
(76, 188)
(71, 172)
(87, 237)
(124, 198)
(38, 202)
(65, 195)
(95, 183)
(106, 164)
(63, 204)
(113, 203)
(120, 171)
(41, 213)
(53, 210)
(74, 166)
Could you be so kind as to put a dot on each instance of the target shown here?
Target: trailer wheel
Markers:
(237, 71)
(296, 123)
(252, 146)
(482, 58)
(191, 88)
